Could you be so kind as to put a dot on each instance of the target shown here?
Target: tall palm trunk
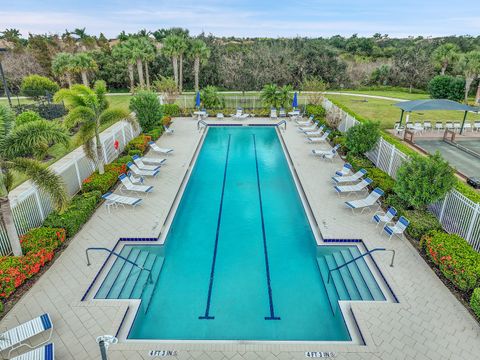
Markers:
(98, 145)
(175, 69)
(132, 77)
(196, 70)
(84, 78)
(9, 225)
(69, 79)
(180, 74)
(140, 72)
(147, 74)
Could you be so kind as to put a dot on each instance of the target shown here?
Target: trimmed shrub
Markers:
(36, 86)
(381, 179)
(155, 133)
(77, 213)
(147, 108)
(359, 162)
(422, 222)
(397, 203)
(138, 143)
(105, 181)
(455, 258)
(171, 110)
(26, 117)
(42, 238)
(316, 110)
(127, 158)
(446, 87)
(424, 180)
(134, 152)
(475, 302)
(211, 98)
(363, 137)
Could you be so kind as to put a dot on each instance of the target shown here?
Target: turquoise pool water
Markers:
(240, 257)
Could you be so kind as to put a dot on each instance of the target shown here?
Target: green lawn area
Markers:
(387, 114)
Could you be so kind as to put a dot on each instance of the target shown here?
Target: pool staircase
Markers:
(135, 278)
(346, 278)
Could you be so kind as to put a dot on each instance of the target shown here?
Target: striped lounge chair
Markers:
(46, 352)
(115, 200)
(158, 149)
(365, 204)
(398, 229)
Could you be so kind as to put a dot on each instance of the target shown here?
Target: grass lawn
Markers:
(389, 93)
(387, 114)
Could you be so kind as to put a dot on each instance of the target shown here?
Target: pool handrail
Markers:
(359, 257)
(201, 122)
(283, 122)
(120, 257)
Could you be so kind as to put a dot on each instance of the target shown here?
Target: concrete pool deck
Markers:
(427, 323)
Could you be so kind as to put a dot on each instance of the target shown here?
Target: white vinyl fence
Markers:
(457, 213)
(31, 206)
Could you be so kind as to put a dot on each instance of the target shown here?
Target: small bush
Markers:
(105, 181)
(422, 222)
(155, 133)
(36, 86)
(146, 106)
(397, 203)
(42, 238)
(363, 137)
(171, 110)
(455, 258)
(26, 117)
(475, 302)
(359, 162)
(446, 87)
(135, 152)
(316, 110)
(77, 213)
(127, 158)
(424, 180)
(211, 98)
(138, 143)
(381, 179)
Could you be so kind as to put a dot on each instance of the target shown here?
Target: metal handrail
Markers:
(282, 122)
(119, 256)
(201, 122)
(361, 256)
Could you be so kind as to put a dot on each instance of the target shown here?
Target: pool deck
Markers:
(427, 323)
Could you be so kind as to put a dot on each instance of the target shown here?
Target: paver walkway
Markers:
(428, 323)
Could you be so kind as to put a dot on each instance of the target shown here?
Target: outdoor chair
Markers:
(366, 204)
(327, 154)
(160, 150)
(129, 186)
(142, 166)
(134, 169)
(345, 170)
(282, 113)
(449, 125)
(457, 126)
(313, 127)
(46, 352)
(273, 113)
(467, 126)
(305, 123)
(316, 132)
(384, 217)
(155, 161)
(358, 187)
(168, 130)
(476, 125)
(439, 126)
(427, 125)
(323, 138)
(352, 178)
(115, 200)
(397, 229)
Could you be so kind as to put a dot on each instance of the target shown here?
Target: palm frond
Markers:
(110, 116)
(7, 121)
(25, 138)
(80, 114)
(43, 178)
(84, 137)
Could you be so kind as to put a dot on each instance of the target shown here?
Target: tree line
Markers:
(230, 63)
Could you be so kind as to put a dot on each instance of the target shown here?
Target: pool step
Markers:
(330, 288)
(367, 275)
(149, 288)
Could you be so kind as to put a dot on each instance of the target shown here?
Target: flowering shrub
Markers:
(105, 181)
(475, 302)
(139, 143)
(78, 212)
(455, 258)
(39, 245)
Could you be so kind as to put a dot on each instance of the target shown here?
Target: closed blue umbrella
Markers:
(197, 100)
(295, 101)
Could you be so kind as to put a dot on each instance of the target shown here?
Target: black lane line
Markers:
(207, 315)
(265, 250)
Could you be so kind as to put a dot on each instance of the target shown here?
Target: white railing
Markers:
(457, 213)
(31, 206)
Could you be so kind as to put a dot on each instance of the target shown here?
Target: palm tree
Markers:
(445, 55)
(182, 48)
(15, 142)
(124, 52)
(83, 40)
(172, 46)
(83, 63)
(149, 52)
(63, 64)
(89, 110)
(200, 54)
(285, 96)
(270, 95)
(469, 65)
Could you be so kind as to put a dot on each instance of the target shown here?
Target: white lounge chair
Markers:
(282, 113)
(238, 113)
(313, 127)
(240, 117)
(15, 338)
(134, 169)
(115, 200)
(322, 138)
(46, 352)
(135, 180)
(155, 161)
(427, 125)
(384, 217)
(439, 126)
(273, 113)
(139, 162)
(358, 187)
(367, 203)
(305, 123)
(168, 130)
(316, 132)
(327, 154)
(352, 178)
(128, 185)
(345, 170)
(457, 126)
(398, 229)
(476, 125)
(160, 150)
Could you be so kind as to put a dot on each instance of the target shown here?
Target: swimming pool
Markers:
(240, 260)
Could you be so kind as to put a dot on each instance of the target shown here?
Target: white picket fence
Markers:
(30, 206)
(457, 213)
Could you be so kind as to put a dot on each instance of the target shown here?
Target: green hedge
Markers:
(380, 178)
(42, 238)
(455, 258)
(77, 213)
(316, 110)
(422, 222)
(475, 302)
(156, 132)
(171, 110)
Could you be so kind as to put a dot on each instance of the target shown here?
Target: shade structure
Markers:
(197, 99)
(295, 100)
(435, 104)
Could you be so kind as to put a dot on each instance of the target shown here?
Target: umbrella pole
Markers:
(463, 122)
(401, 118)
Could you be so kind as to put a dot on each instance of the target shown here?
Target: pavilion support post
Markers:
(463, 122)
(401, 118)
